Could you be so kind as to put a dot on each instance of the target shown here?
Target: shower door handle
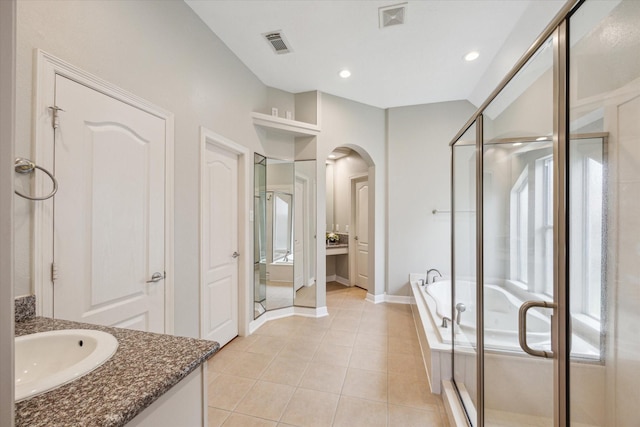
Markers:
(522, 327)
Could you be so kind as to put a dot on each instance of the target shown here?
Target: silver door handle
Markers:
(522, 327)
(156, 277)
(235, 255)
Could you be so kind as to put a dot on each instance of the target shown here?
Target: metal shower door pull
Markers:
(156, 277)
(522, 327)
(235, 255)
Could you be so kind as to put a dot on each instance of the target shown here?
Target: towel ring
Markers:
(25, 166)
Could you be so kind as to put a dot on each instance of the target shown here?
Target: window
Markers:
(520, 228)
(546, 226)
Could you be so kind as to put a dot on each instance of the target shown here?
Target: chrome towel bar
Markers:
(25, 166)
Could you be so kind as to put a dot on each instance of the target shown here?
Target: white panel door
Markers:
(220, 245)
(362, 234)
(109, 211)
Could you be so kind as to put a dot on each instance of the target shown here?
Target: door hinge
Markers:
(55, 120)
(54, 272)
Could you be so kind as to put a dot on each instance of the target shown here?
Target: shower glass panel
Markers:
(460, 315)
(604, 181)
(518, 263)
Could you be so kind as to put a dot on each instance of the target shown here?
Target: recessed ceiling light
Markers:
(332, 156)
(471, 56)
(345, 74)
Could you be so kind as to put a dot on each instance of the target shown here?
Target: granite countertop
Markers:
(145, 366)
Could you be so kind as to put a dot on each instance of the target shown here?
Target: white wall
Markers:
(7, 104)
(419, 170)
(161, 51)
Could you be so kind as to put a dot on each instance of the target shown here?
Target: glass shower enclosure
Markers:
(545, 230)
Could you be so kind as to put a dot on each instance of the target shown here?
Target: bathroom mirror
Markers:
(260, 235)
(305, 214)
(284, 234)
(279, 230)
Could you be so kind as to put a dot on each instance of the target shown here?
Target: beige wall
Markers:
(7, 98)
(161, 51)
(419, 170)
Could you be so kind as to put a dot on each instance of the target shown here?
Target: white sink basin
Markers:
(47, 360)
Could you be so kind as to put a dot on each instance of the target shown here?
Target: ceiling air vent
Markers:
(392, 15)
(277, 42)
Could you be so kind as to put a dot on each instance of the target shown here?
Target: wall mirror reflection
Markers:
(304, 261)
(284, 234)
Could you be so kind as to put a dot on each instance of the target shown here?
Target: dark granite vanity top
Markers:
(145, 366)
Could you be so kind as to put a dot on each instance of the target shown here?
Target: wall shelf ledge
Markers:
(286, 126)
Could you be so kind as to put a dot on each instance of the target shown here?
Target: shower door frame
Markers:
(558, 31)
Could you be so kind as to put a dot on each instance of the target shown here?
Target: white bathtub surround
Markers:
(504, 364)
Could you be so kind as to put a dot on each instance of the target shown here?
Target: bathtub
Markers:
(505, 362)
(281, 270)
(500, 317)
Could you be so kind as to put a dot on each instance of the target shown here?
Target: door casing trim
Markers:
(245, 232)
(47, 67)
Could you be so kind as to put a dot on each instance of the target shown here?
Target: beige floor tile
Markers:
(342, 324)
(275, 329)
(216, 416)
(323, 377)
(352, 304)
(410, 391)
(240, 343)
(402, 416)
(267, 345)
(348, 315)
(240, 420)
(371, 342)
(365, 384)
(376, 327)
(310, 332)
(354, 412)
(403, 345)
(333, 355)
(226, 391)
(403, 364)
(222, 359)
(266, 400)
(368, 359)
(249, 365)
(300, 349)
(211, 376)
(284, 370)
(343, 338)
(311, 408)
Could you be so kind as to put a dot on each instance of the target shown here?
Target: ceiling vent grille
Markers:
(277, 42)
(392, 15)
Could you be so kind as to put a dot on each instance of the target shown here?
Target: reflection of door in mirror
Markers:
(304, 260)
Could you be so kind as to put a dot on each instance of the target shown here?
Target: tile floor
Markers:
(360, 366)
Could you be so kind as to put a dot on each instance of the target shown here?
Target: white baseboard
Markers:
(342, 280)
(310, 311)
(286, 312)
(393, 299)
(331, 278)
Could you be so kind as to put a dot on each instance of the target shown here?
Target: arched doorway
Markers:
(350, 219)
